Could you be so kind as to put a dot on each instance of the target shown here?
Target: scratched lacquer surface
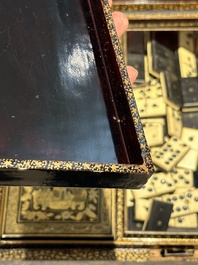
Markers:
(51, 103)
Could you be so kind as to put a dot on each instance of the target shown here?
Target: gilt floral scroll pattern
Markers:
(58, 212)
(58, 204)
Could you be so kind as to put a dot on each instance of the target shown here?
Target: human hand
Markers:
(121, 25)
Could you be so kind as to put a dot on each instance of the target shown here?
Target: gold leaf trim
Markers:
(168, 6)
(120, 254)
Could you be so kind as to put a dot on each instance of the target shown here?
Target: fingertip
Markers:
(121, 22)
(133, 73)
(110, 2)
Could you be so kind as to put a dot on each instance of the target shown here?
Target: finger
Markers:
(121, 25)
(133, 73)
(110, 2)
(121, 22)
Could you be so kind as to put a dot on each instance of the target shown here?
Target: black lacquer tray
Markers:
(67, 112)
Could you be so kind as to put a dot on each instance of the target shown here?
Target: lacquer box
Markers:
(161, 43)
(68, 116)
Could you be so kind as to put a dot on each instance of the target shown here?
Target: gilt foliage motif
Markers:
(65, 204)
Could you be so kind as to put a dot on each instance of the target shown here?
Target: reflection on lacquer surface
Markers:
(59, 111)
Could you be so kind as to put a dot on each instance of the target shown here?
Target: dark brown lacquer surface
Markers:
(62, 96)
(51, 100)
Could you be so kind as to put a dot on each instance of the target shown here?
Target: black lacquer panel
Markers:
(62, 94)
(51, 101)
